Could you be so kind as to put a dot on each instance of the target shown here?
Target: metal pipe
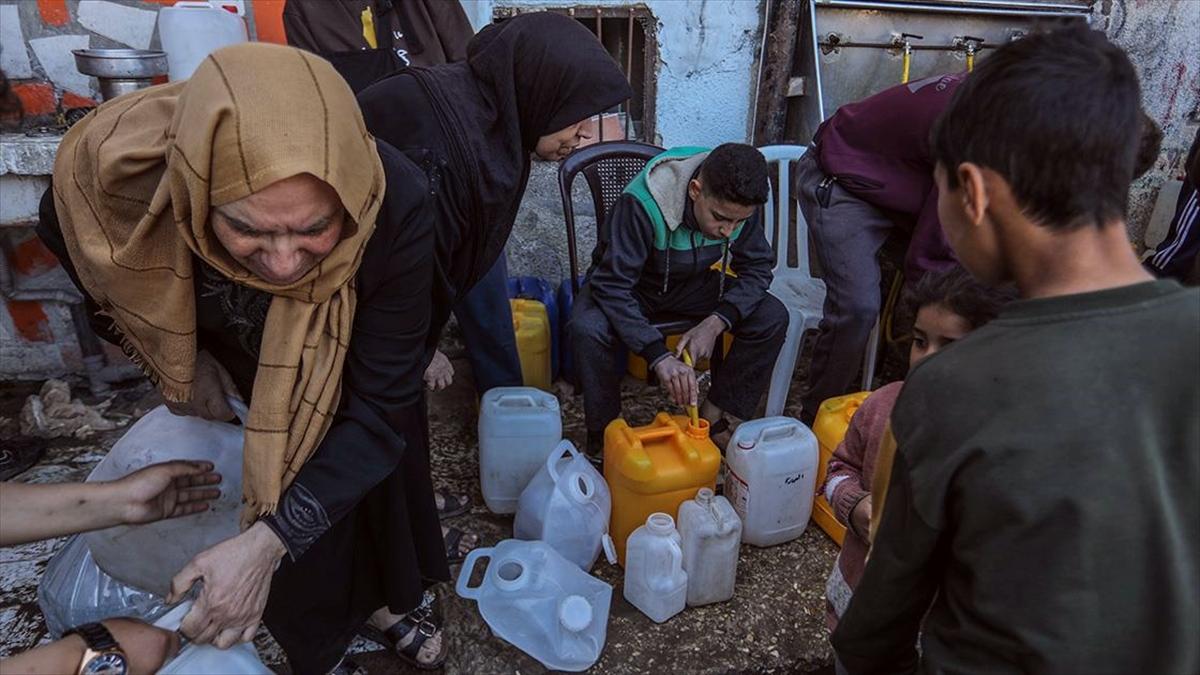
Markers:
(989, 8)
(892, 46)
(629, 76)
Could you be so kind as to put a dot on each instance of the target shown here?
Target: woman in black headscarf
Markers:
(526, 87)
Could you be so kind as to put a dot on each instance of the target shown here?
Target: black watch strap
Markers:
(95, 635)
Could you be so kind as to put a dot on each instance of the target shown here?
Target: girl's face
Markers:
(936, 327)
(556, 146)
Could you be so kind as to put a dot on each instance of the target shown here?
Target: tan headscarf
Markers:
(134, 184)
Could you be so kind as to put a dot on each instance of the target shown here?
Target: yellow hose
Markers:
(907, 61)
(970, 60)
(692, 410)
(889, 308)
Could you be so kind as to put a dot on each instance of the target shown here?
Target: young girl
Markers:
(948, 305)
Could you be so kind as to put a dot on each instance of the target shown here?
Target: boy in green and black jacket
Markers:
(690, 216)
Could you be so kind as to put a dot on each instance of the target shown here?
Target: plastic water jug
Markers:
(830, 426)
(531, 325)
(566, 505)
(518, 429)
(655, 468)
(240, 659)
(771, 477)
(540, 602)
(149, 556)
(536, 288)
(190, 30)
(711, 534)
(655, 581)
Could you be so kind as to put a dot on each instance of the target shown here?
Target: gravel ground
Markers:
(774, 623)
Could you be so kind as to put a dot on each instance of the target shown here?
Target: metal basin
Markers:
(125, 64)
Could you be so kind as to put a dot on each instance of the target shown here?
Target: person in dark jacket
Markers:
(684, 241)
(293, 266)
(1175, 256)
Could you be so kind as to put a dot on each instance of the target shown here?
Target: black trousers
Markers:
(738, 385)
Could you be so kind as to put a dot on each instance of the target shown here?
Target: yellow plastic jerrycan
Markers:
(636, 365)
(655, 468)
(531, 325)
(830, 426)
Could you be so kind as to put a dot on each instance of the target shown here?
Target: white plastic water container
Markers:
(711, 533)
(566, 505)
(240, 659)
(655, 581)
(540, 602)
(190, 30)
(518, 429)
(771, 478)
(149, 556)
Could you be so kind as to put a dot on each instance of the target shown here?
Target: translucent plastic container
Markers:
(518, 429)
(190, 30)
(655, 468)
(771, 478)
(164, 547)
(711, 534)
(531, 324)
(830, 426)
(655, 581)
(566, 505)
(540, 602)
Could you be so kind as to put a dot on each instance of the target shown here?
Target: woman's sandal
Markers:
(347, 666)
(453, 538)
(452, 504)
(425, 621)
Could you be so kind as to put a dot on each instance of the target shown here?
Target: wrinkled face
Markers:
(936, 327)
(282, 231)
(556, 146)
(968, 228)
(715, 217)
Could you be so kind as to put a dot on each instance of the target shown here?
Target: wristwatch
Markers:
(103, 655)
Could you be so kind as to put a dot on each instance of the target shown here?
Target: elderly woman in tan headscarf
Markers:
(241, 234)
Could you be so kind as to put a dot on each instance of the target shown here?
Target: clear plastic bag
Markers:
(240, 659)
(75, 590)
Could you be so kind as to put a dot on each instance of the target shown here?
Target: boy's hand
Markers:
(700, 340)
(679, 379)
(166, 490)
(860, 517)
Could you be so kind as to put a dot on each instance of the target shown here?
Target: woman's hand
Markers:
(237, 578)
(209, 390)
(439, 374)
(166, 490)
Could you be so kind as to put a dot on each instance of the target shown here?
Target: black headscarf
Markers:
(524, 78)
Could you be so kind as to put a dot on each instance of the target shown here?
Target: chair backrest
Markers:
(607, 168)
(779, 209)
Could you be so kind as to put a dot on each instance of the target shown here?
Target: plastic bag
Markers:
(74, 591)
(149, 556)
(193, 659)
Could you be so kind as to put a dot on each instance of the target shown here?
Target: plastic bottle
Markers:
(830, 426)
(655, 468)
(518, 429)
(566, 505)
(711, 534)
(540, 602)
(771, 477)
(655, 582)
(190, 30)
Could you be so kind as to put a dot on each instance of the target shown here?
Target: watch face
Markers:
(110, 663)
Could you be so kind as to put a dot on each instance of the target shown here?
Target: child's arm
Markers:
(845, 484)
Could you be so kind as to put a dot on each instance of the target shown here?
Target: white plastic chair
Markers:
(795, 286)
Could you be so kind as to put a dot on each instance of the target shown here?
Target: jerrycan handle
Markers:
(563, 449)
(516, 401)
(781, 429)
(464, 575)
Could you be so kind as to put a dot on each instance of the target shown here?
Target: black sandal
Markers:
(453, 540)
(347, 666)
(426, 621)
(461, 504)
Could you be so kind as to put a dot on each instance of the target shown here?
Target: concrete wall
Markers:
(1162, 38)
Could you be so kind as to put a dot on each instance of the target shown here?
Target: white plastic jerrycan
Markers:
(149, 556)
(540, 602)
(190, 30)
(711, 534)
(566, 505)
(655, 581)
(518, 429)
(771, 478)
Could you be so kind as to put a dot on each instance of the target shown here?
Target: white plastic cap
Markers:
(575, 613)
(746, 444)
